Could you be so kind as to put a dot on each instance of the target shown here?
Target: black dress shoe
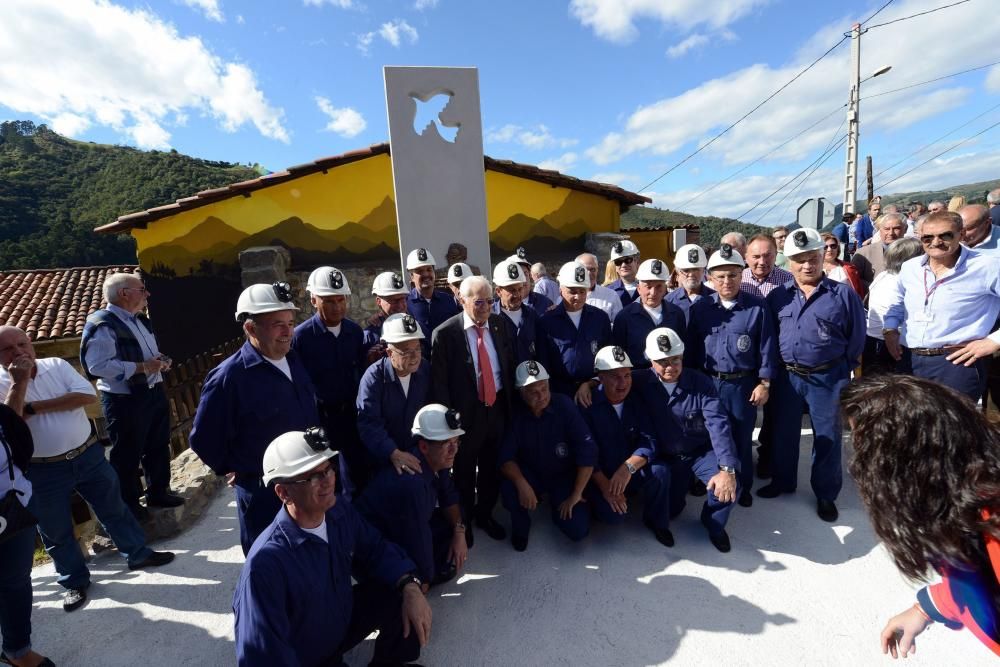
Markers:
(140, 513)
(74, 598)
(721, 542)
(444, 575)
(154, 559)
(745, 499)
(827, 510)
(697, 488)
(770, 491)
(763, 470)
(491, 527)
(519, 542)
(165, 500)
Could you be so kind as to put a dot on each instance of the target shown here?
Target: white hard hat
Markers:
(419, 257)
(519, 256)
(802, 240)
(529, 372)
(662, 343)
(611, 357)
(438, 423)
(401, 327)
(389, 284)
(507, 273)
(725, 256)
(294, 453)
(690, 256)
(652, 269)
(327, 281)
(262, 298)
(624, 248)
(574, 274)
(458, 272)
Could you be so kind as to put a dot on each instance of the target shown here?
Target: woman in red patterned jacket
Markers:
(927, 465)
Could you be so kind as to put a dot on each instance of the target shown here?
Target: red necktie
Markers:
(487, 388)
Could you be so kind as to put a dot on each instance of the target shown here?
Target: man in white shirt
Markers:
(50, 395)
(600, 296)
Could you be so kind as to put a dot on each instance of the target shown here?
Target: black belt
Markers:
(806, 371)
(67, 456)
(934, 351)
(735, 375)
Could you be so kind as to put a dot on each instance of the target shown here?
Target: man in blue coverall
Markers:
(572, 333)
(692, 440)
(547, 449)
(391, 393)
(623, 438)
(430, 306)
(538, 300)
(509, 280)
(295, 603)
(821, 333)
(690, 263)
(650, 310)
(390, 298)
(329, 346)
(625, 257)
(260, 392)
(733, 342)
(420, 512)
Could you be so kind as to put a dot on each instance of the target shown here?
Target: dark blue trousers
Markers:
(821, 393)
(15, 592)
(970, 381)
(735, 398)
(558, 488)
(666, 485)
(139, 429)
(256, 507)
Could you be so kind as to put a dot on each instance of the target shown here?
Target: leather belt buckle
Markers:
(73, 453)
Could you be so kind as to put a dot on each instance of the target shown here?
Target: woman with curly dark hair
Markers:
(927, 466)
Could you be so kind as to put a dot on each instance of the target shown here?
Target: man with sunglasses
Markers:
(949, 300)
(821, 334)
(472, 371)
(625, 256)
(420, 512)
(119, 350)
(295, 603)
(258, 393)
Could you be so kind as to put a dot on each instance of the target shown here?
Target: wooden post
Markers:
(871, 182)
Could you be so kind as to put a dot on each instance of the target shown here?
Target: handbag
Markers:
(14, 517)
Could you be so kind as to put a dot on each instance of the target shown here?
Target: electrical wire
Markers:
(819, 163)
(923, 83)
(877, 12)
(912, 16)
(798, 187)
(947, 150)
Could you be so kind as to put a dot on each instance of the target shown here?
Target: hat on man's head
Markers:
(611, 357)
(328, 281)
(418, 258)
(663, 343)
(389, 283)
(458, 272)
(623, 248)
(725, 256)
(529, 372)
(401, 327)
(652, 269)
(690, 256)
(802, 241)
(574, 274)
(508, 273)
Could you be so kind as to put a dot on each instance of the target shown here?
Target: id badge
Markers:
(923, 316)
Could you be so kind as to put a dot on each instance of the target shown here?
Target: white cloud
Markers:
(694, 41)
(364, 42)
(210, 8)
(993, 80)
(70, 124)
(346, 122)
(615, 20)
(240, 20)
(564, 162)
(614, 177)
(537, 137)
(342, 4)
(421, 5)
(122, 68)
(396, 31)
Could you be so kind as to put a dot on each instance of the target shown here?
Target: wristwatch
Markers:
(409, 579)
(766, 384)
(631, 468)
(29, 409)
(728, 469)
(888, 331)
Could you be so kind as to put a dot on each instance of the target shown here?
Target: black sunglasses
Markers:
(947, 237)
(624, 260)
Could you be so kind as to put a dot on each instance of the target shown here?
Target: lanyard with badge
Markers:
(925, 315)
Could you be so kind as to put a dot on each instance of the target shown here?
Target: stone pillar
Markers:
(264, 264)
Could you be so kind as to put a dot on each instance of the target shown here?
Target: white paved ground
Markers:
(793, 591)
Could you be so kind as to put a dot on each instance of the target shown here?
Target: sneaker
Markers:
(74, 598)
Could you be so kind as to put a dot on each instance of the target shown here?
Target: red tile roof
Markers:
(142, 218)
(53, 303)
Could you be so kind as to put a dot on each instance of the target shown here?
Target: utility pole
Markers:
(851, 168)
(871, 181)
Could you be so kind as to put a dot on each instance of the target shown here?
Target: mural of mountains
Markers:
(557, 230)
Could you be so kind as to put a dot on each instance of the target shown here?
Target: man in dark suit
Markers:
(472, 371)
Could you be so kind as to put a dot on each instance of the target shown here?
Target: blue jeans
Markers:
(95, 480)
(139, 429)
(970, 380)
(15, 593)
(666, 487)
(821, 393)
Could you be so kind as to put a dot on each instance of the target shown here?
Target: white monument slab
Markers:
(436, 143)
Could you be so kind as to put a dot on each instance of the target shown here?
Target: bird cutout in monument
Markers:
(428, 114)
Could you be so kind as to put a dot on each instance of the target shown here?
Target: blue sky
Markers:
(614, 90)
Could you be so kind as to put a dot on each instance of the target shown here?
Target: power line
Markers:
(877, 12)
(798, 187)
(770, 152)
(923, 83)
(947, 150)
(829, 153)
(912, 16)
(931, 143)
(746, 115)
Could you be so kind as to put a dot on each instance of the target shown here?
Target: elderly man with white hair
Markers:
(736, 241)
(472, 371)
(598, 295)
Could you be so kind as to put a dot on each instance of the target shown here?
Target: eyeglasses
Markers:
(621, 261)
(136, 289)
(947, 237)
(479, 303)
(832, 246)
(408, 356)
(447, 445)
(316, 478)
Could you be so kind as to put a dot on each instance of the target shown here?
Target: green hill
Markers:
(710, 227)
(54, 191)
